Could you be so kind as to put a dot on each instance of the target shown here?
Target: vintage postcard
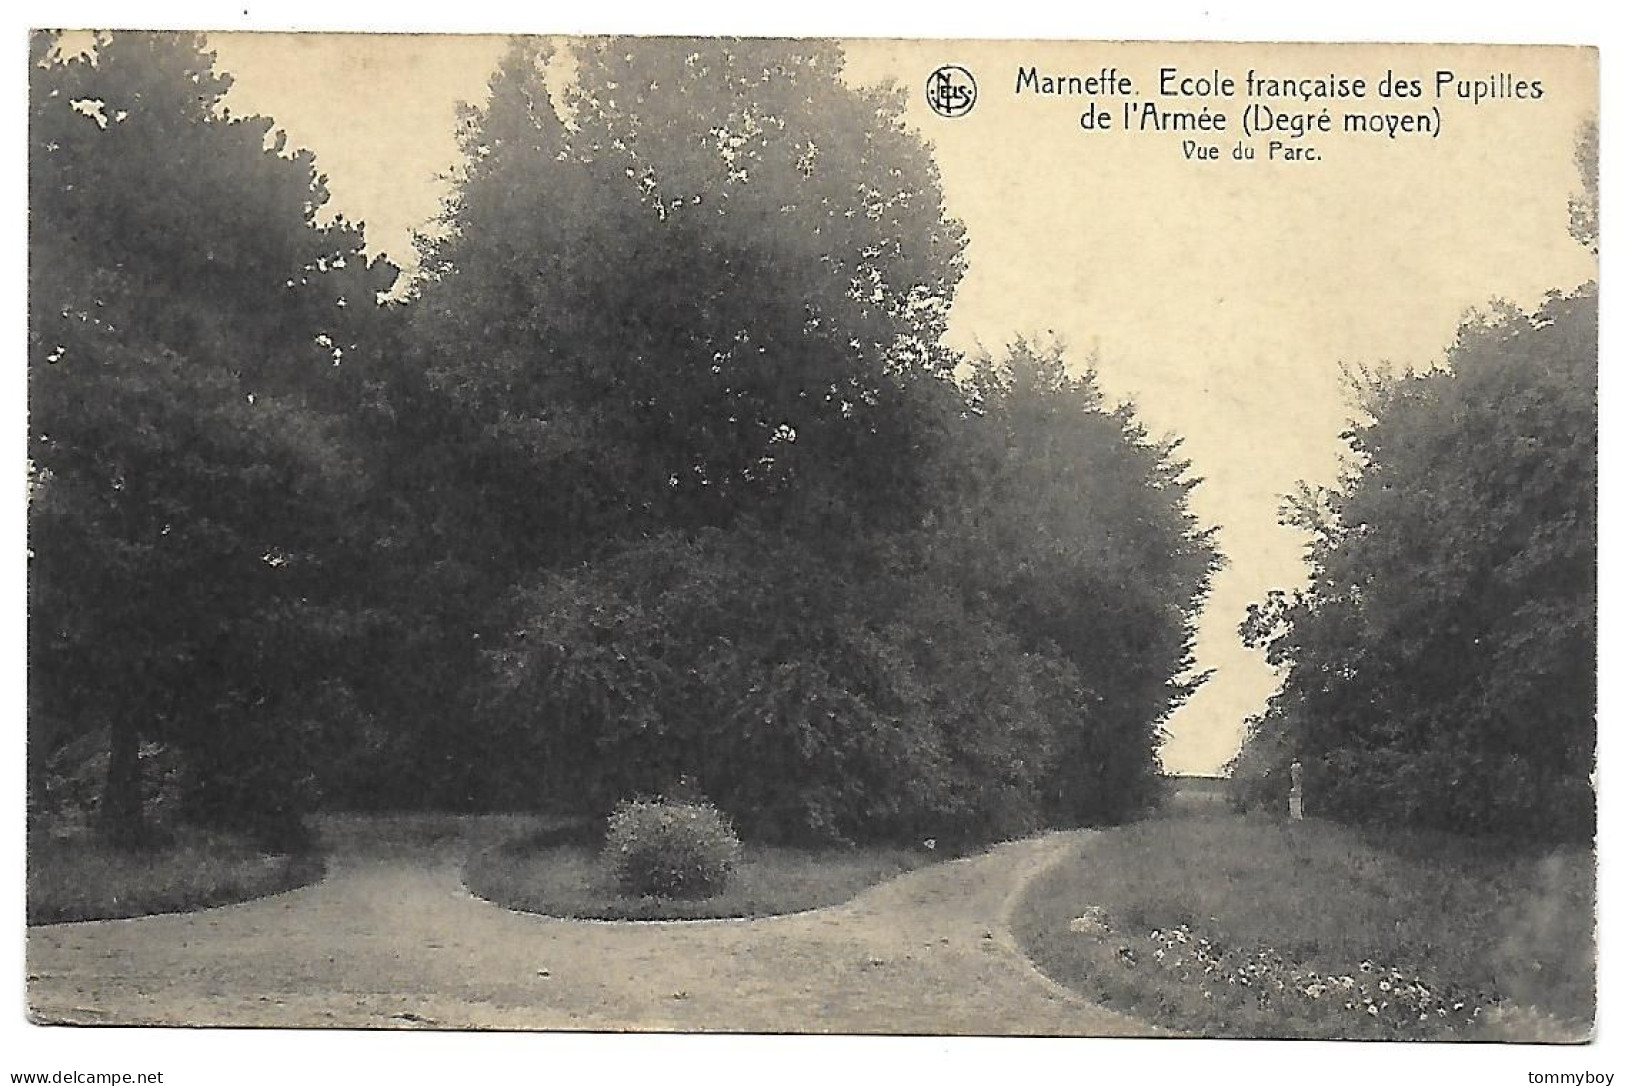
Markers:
(810, 536)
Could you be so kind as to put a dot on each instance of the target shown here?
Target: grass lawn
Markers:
(82, 879)
(1226, 926)
(563, 876)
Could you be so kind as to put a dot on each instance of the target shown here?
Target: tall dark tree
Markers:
(700, 284)
(192, 332)
(686, 310)
(1441, 665)
(1440, 668)
(1069, 524)
(703, 297)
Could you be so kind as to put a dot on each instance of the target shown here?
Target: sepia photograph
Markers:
(774, 535)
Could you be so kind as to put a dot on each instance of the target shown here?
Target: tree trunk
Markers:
(123, 821)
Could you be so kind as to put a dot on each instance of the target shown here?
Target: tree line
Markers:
(657, 468)
(1440, 667)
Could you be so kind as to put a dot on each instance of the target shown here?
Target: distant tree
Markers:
(1584, 210)
(192, 332)
(1441, 665)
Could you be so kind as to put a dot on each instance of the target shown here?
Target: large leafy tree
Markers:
(685, 310)
(694, 285)
(1005, 663)
(1440, 667)
(193, 332)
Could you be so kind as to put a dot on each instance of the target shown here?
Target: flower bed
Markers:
(1228, 927)
(1369, 1000)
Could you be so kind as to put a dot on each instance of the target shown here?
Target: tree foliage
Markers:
(1440, 666)
(189, 470)
(700, 293)
(1584, 209)
(661, 470)
(993, 669)
(1072, 527)
(810, 700)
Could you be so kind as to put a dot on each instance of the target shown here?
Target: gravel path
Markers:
(391, 939)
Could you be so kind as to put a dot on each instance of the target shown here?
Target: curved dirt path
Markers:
(392, 939)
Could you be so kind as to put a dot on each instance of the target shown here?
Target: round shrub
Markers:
(665, 848)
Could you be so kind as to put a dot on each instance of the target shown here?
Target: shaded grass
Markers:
(84, 879)
(416, 836)
(560, 873)
(1481, 919)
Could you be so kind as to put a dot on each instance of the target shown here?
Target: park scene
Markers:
(652, 534)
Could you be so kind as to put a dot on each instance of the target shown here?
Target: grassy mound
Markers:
(561, 873)
(1232, 927)
(83, 879)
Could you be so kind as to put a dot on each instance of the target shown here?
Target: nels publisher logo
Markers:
(950, 91)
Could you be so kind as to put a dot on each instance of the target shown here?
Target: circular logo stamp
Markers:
(950, 91)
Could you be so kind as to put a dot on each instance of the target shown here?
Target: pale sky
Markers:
(1220, 297)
